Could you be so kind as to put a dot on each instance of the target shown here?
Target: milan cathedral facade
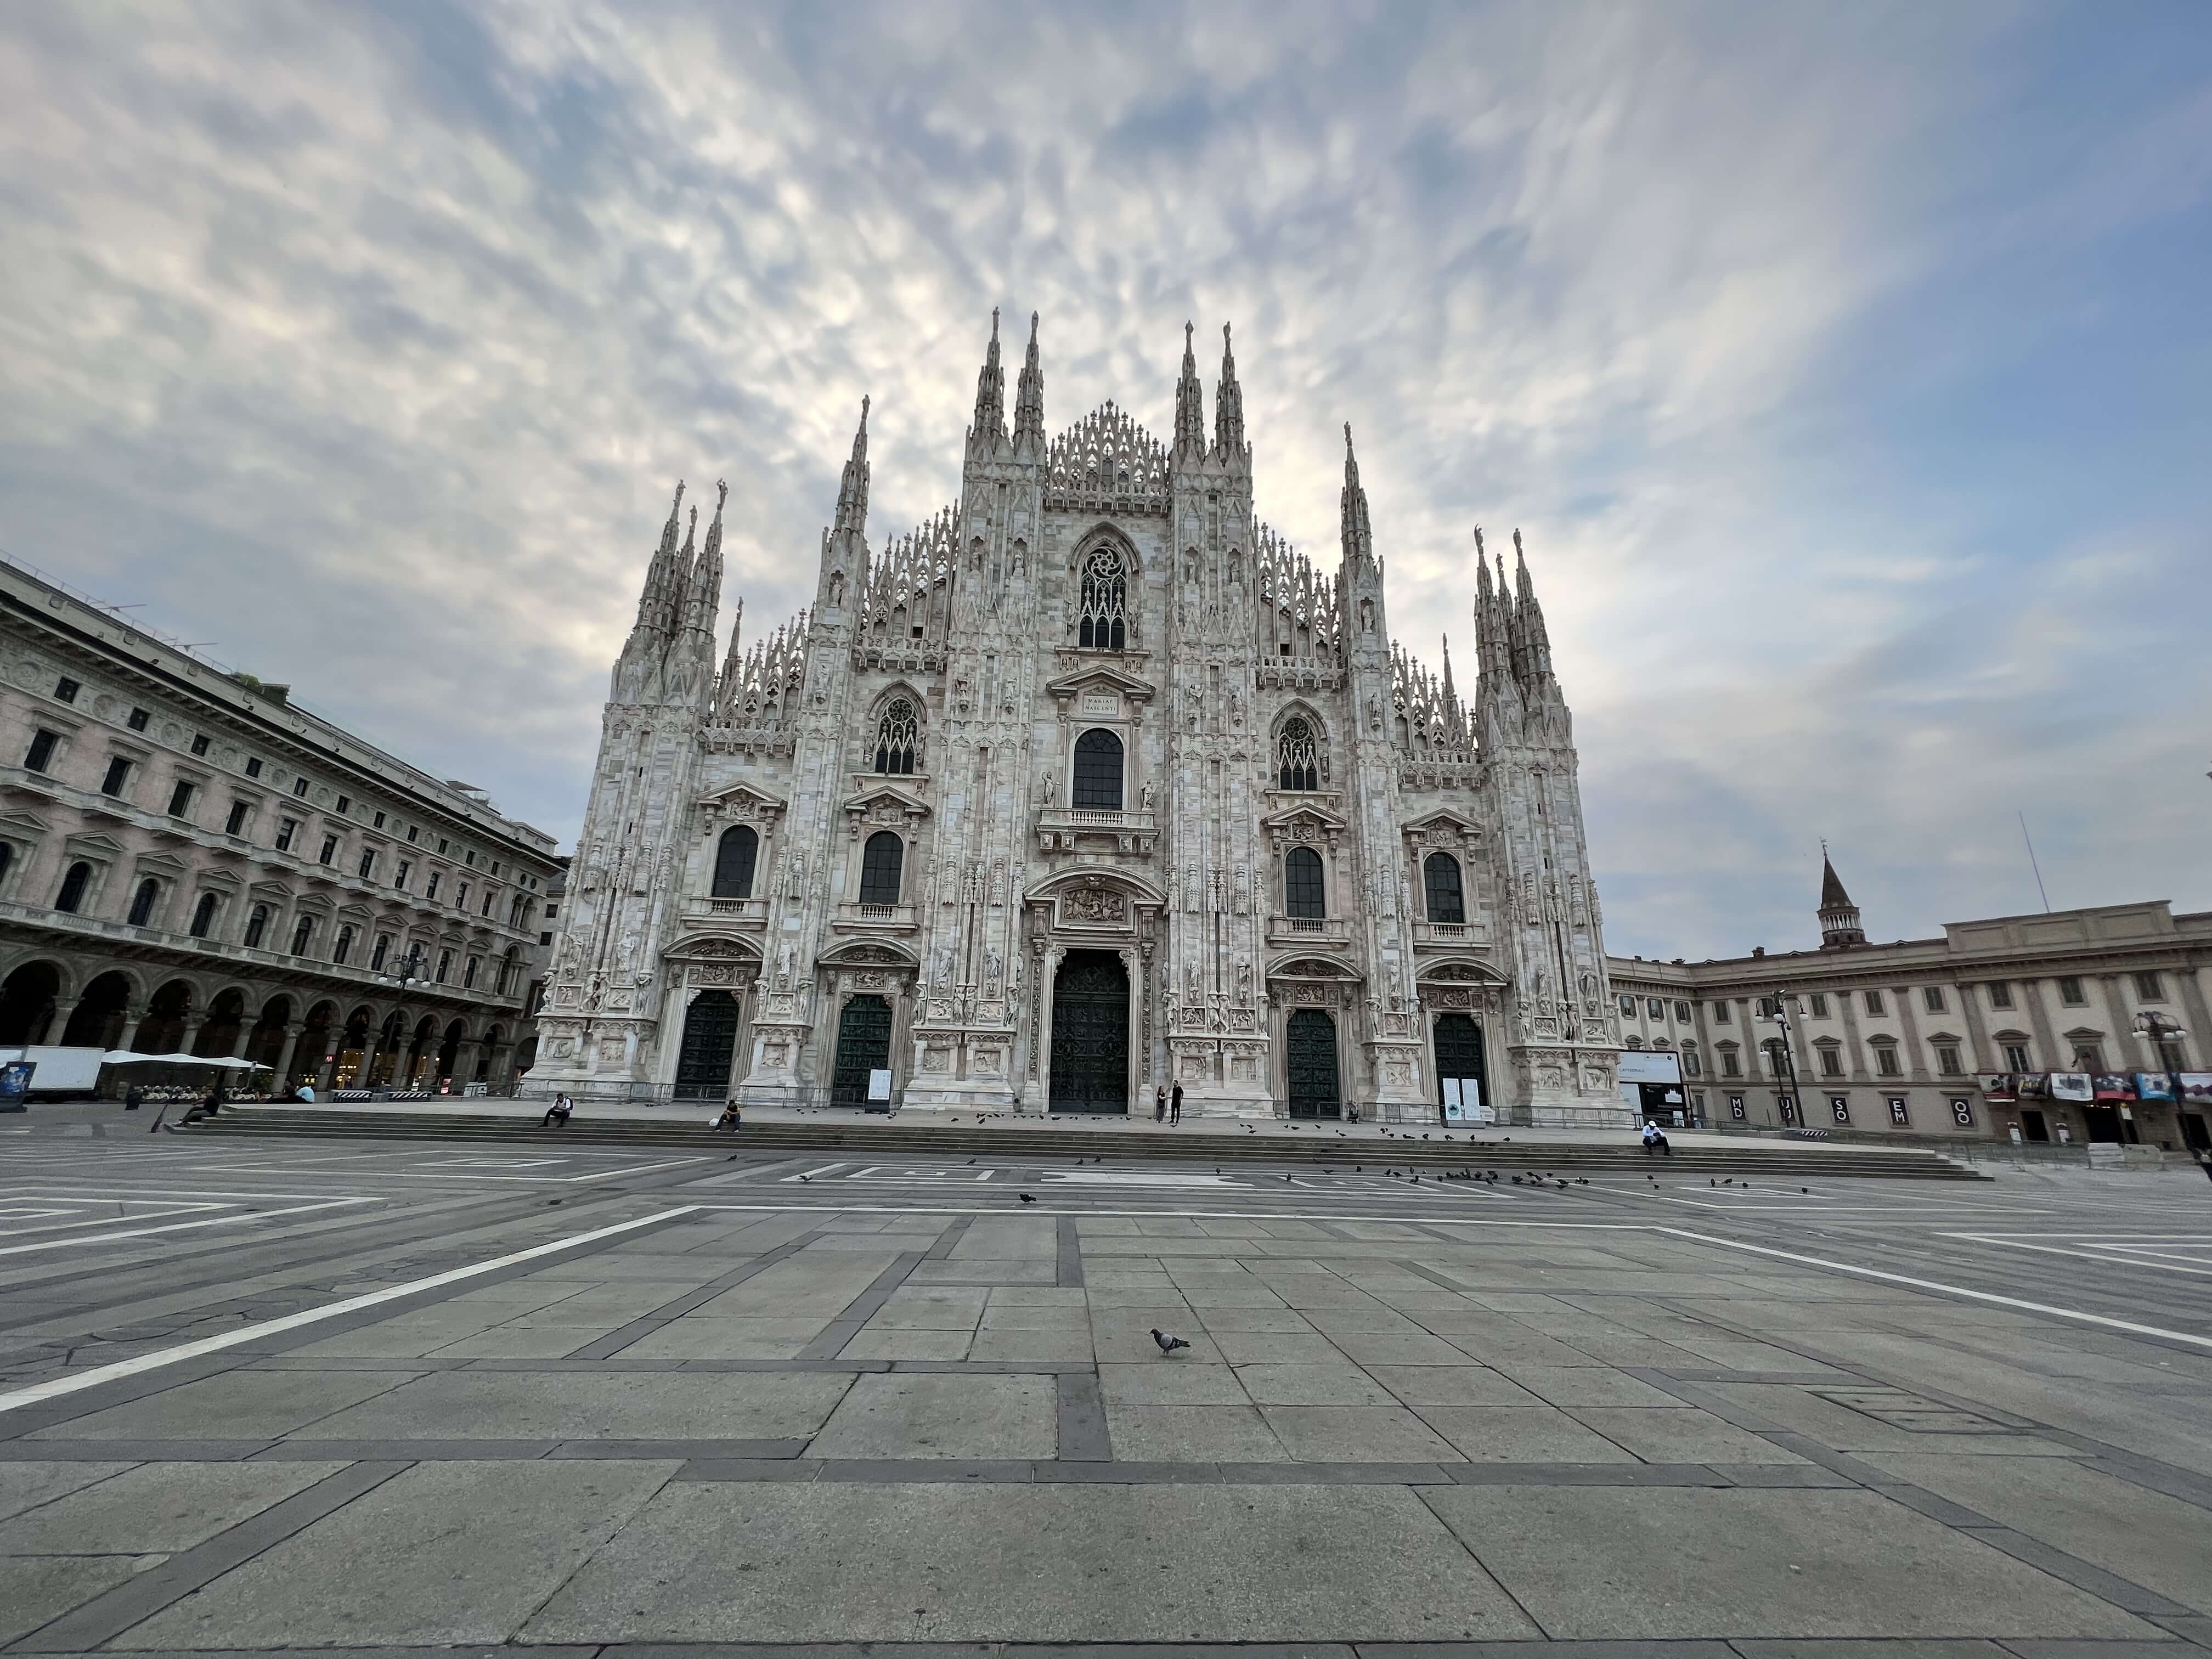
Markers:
(1089, 784)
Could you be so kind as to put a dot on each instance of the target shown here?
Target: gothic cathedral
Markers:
(1089, 785)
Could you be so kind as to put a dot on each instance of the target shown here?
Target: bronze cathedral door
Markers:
(1090, 1034)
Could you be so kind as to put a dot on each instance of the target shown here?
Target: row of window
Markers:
(1839, 1109)
(239, 821)
(39, 757)
(76, 882)
(2014, 1049)
(1098, 755)
(2149, 987)
(737, 857)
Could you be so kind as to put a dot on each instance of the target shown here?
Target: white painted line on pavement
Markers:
(80, 1241)
(55, 1387)
(1193, 1215)
(2127, 1325)
(2129, 1255)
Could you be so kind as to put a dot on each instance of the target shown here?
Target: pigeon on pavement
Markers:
(1168, 1344)
(1026, 1197)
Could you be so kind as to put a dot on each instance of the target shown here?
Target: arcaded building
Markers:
(2078, 1025)
(1088, 784)
(192, 862)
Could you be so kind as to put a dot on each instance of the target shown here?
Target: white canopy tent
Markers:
(124, 1057)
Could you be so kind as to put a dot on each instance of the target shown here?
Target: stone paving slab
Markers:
(442, 1554)
(501, 1405)
(1054, 1563)
(1662, 1563)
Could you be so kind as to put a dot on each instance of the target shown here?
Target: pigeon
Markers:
(1026, 1197)
(1581, 1181)
(1168, 1344)
(807, 1177)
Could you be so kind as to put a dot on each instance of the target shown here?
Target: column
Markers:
(193, 1021)
(238, 1040)
(131, 1015)
(284, 1054)
(58, 1022)
(360, 1080)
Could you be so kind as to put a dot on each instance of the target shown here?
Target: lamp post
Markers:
(409, 972)
(2158, 1030)
(1781, 1000)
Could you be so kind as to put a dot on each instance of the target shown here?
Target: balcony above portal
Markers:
(1096, 829)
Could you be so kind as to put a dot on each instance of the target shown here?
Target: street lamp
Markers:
(1781, 1000)
(2158, 1030)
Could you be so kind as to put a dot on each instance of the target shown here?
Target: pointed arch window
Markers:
(1304, 891)
(1298, 756)
(735, 856)
(898, 735)
(1105, 602)
(1446, 897)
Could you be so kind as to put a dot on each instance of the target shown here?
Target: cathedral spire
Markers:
(676, 598)
(1538, 641)
(1190, 406)
(704, 596)
(989, 430)
(1028, 399)
(1228, 408)
(653, 601)
(853, 488)
(1358, 538)
(1839, 917)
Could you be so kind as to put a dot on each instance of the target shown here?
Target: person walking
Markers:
(134, 1098)
(1160, 1104)
(1175, 1104)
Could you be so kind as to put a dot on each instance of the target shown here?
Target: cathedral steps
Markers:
(1194, 1146)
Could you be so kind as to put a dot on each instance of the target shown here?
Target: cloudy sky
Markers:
(1845, 366)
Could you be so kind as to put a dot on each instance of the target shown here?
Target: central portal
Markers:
(1090, 1034)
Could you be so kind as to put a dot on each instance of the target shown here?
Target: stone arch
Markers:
(163, 1031)
(101, 1011)
(225, 1023)
(265, 1041)
(28, 998)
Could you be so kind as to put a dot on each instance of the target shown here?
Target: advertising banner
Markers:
(2114, 1086)
(2195, 1087)
(2072, 1086)
(2154, 1085)
(1996, 1085)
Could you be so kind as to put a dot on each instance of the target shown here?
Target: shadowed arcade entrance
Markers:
(1090, 1034)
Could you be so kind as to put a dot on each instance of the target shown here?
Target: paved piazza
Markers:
(277, 1394)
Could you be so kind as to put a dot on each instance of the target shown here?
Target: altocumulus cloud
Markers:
(1841, 368)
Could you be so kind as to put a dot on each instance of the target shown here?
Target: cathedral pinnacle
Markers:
(1358, 538)
(989, 430)
(1028, 399)
(661, 575)
(1190, 404)
(1228, 408)
(853, 489)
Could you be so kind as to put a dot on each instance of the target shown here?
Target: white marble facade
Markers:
(1088, 784)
